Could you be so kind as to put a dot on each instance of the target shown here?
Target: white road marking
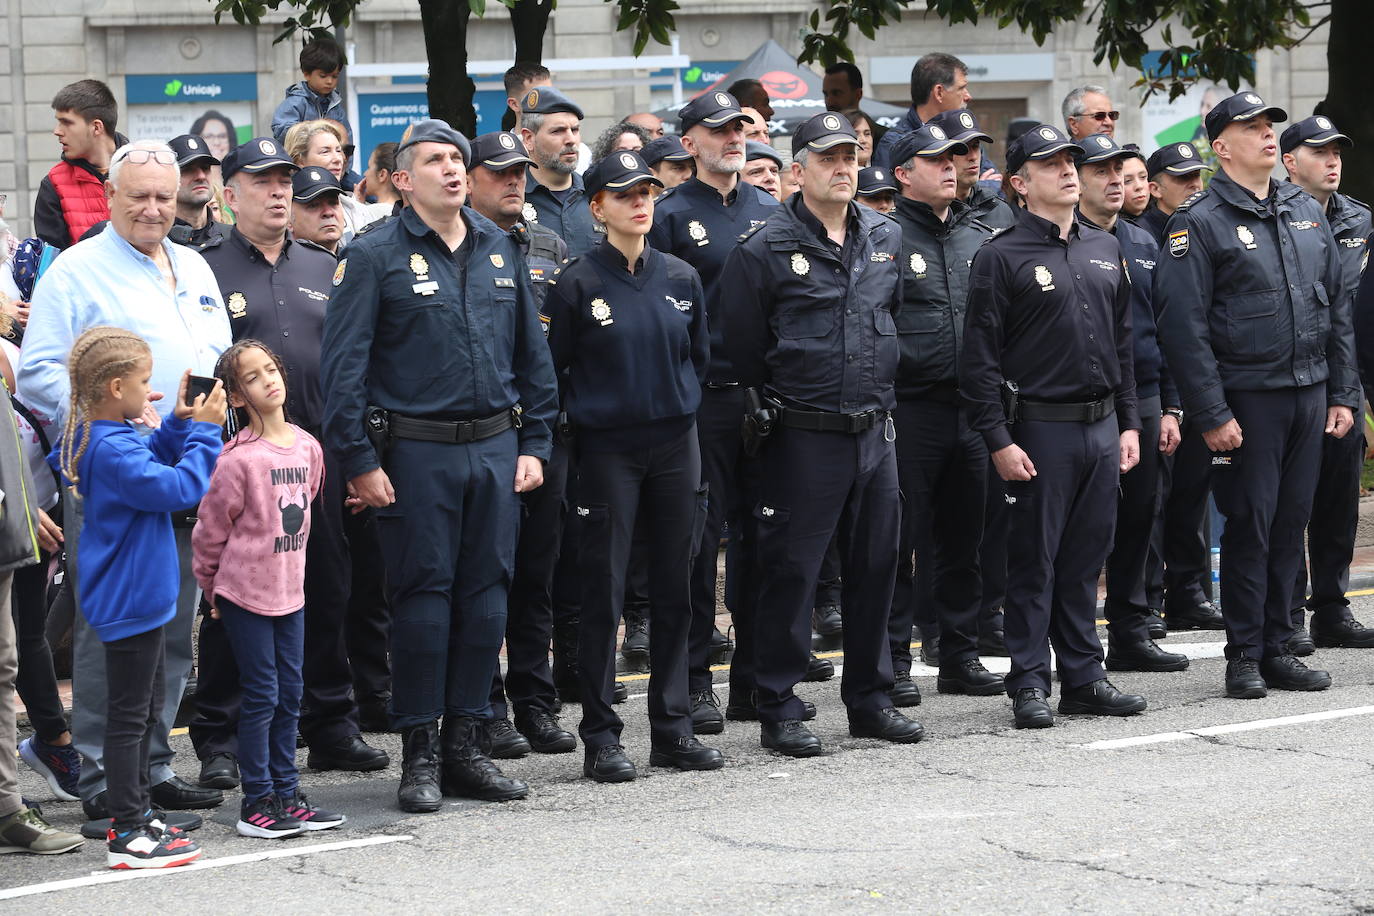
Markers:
(109, 877)
(1194, 733)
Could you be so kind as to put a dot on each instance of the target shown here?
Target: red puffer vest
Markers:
(82, 196)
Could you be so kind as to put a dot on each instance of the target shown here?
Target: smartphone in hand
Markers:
(197, 386)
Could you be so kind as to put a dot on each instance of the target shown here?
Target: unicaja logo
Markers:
(175, 88)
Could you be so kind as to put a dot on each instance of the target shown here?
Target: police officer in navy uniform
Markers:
(496, 189)
(551, 127)
(1255, 320)
(1312, 155)
(700, 221)
(440, 397)
(276, 290)
(1102, 191)
(628, 333)
(196, 162)
(942, 463)
(1175, 171)
(316, 213)
(1048, 376)
(810, 323)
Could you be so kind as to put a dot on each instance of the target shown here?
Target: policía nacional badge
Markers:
(419, 266)
(698, 232)
(528, 213)
(800, 265)
(1044, 278)
(601, 311)
(1247, 237)
(238, 303)
(918, 265)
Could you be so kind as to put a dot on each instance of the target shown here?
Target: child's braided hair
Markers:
(99, 355)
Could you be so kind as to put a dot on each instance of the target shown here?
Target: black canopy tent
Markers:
(794, 91)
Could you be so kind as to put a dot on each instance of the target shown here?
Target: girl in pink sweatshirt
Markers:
(249, 557)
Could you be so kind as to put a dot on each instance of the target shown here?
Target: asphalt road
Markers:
(1269, 817)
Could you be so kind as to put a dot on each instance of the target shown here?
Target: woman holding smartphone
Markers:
(627, 328)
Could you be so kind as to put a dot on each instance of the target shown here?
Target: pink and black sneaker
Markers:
(312, 816)
(265, 819)
(149, 847)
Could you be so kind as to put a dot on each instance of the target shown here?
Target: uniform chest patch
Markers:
(530, 214)
(601, 312)
(697, 232)
(1353, 243)
(1044, 278)
(682, 305)
(1104, 265)
(497, 260)
(1178, 243)
(1247, 238)
(419, 266)
(1301, 225)
(800, 265)
(918, 265)
(238, 304)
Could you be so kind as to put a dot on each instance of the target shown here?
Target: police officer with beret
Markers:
(440, 398)
(1102, 191)
(1312, 155)
(1175, 171)
(194, 227)
(1255, 320)
(496, 189)
(700, 221)
(551, 127)
(942, 463)
(670, 163)
(276, 291)
(628, 333)
(316, 214)
(810, 325)
(1048, 376)
(962, 126)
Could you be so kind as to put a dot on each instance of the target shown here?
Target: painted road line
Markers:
(1232, 728)
(109, 877)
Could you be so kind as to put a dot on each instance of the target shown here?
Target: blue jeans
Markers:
(269, 653)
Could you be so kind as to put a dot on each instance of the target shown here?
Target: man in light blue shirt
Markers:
(129, 276)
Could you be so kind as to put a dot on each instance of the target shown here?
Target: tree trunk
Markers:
(445, 24)
(529, 19)
(1347, 92)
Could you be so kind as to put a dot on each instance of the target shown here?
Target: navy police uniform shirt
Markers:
(566, 214)
(811, 320)
(990, 209)
(1141, 253)
(282, 305)
(935, 262)
(426, 332)
(1251, 297)
(1349, 222)
(1052, 315)
(543, 252)
(634, 346)
(693, 222)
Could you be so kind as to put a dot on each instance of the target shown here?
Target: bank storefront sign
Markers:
(216, 106)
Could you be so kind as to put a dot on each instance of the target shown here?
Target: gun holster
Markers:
(378, 423)
(760, 416)
(1011, 401)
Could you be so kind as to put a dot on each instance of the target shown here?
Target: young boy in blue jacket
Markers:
(316, 96)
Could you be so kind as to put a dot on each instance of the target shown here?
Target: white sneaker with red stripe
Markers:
(264, 818)
(149, 847)
(312, 816)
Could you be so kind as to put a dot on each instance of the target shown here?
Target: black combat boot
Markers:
(467, 770)
(419, 789)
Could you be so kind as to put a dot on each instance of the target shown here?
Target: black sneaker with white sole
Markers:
(265, 819)
(148, 846)
(312, 816)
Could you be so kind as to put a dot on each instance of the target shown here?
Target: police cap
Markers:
(1100, 148)
(1243, 106)
(753, 149)
(1314, 131)
(960, 125)
(547, 100)
(667, 148)
(190, 148)
(875, 181)
(1040, 142)
(257, 155)
(712, 108)
(1176, 159)
(822, 132)
(432, 130)
(499, 150)
(926, 141)
(312, 181)
(618, 171)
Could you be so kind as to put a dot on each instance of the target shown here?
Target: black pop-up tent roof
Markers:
(794, 91)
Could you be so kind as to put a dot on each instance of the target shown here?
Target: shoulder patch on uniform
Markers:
(1178, 242)
(751, 230)
(1197, 196)
(339, 271)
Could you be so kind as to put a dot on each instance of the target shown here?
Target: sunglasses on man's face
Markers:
(140, 156)
(348, 150)
(1101, 115)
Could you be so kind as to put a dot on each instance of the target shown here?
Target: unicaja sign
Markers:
(176, 87)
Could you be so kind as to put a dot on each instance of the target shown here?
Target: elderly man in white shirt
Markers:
(129, 276)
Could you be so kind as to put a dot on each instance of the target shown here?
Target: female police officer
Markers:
(628, 334)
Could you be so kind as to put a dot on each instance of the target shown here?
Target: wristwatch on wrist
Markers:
(1175, 412)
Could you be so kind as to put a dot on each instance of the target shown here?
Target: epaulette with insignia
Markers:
(751, 230)
(665, 195)
(374, 224)
(996, 232)
(1356, 201)
(557, 271)
(1197, 196)
(213, 242)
